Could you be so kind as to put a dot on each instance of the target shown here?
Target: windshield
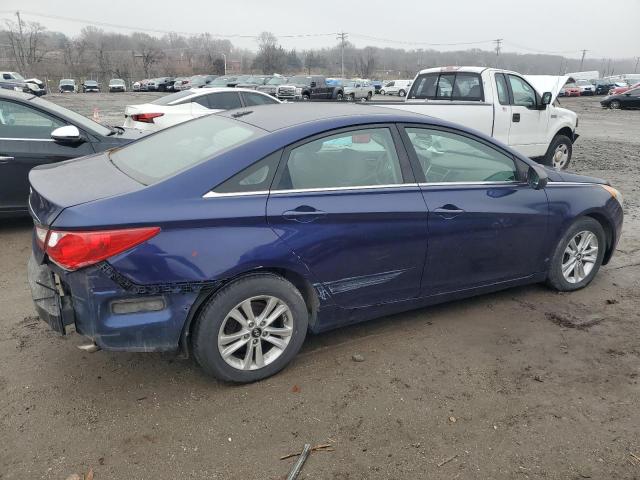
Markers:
(90, 82)
(256, 80)
(169, 99)
(300, 80)
(277, 81)
(67, 82)
(116, 81)
(183, 146)
(582, 82)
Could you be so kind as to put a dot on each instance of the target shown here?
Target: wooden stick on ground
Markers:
(444, 462)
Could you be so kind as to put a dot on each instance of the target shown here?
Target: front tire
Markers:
(402, 93)
(382, 92)
(559, 153)
(578, 256)
(250, 329)
(614, 105)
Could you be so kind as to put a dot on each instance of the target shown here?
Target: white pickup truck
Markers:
(520, 111)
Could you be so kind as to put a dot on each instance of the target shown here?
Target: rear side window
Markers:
(224, 101)
(251, 99)
(466, 86)
(256, 178)
(178, 148)
(170, 99)
(356, 158)
(503, 92)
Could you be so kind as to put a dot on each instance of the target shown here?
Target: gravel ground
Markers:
(526, 383)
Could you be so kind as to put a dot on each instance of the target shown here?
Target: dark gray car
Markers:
(36, 132)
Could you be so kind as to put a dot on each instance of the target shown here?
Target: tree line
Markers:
(29, 48)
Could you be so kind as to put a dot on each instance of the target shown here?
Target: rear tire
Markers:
(255, 356)
(559, 153)
(402, 93)
(569, 271)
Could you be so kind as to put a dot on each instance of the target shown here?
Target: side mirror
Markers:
(546, 98)
(67, 135)
(537, 177)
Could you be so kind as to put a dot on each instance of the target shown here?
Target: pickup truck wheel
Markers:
(369, 96)
(305, 97)
(559, 153)
(402, 93)
(351, 97)
(339, 96)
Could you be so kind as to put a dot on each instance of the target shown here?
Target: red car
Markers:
(571, 90)
(621, 89)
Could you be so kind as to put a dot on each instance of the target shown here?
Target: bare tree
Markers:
(26, 41)
(271, 57)
(366, 62)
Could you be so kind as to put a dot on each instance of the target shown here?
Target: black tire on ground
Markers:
(339, 96)
(214, 312)
(562, 142)
(615, 104)
(369, 95)
(382, 92)
(555, 278)
(352, 97)
(306, 97)
(402, 93)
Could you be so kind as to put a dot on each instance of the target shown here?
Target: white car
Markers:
(187, 104)
(358, 89)
(396, 87)
(586, 87)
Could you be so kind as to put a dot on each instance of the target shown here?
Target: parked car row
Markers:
(15, 81)
(597, 87)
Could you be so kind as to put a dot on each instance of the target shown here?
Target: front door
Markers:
(486, 225)
(347, 205)
(528, 124)
(25, 142)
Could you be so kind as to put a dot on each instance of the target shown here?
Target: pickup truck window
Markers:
(464, 86)
(450, 158)
(523, 94)
(503, 91)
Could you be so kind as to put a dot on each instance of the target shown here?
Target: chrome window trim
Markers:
(342, 189)
(445, 184)
(552, 183)
(28, 139)
(213, 194)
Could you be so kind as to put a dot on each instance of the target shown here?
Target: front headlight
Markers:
(615, 193)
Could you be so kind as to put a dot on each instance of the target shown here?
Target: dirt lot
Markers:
(501, 386)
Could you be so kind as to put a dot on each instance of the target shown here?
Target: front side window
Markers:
(19, 121)
(356, 158)
(224, 101)
(503, 92)
(450, 157)
(523, 94)
(185, 145)
(251, 99)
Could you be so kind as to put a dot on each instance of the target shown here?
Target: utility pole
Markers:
(635, 70)
(342, 36)
(498, 42)
(584, 52)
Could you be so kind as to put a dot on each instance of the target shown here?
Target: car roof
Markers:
(277, 117)
(14, 95)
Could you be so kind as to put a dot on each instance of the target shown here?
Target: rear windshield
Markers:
(169, 99)
(448, 86)
(178, 148)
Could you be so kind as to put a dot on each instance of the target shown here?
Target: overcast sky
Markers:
(606, 29)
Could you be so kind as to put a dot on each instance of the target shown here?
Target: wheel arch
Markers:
(608, 231)
(303, 285)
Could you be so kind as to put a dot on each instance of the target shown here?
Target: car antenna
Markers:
(242, 114)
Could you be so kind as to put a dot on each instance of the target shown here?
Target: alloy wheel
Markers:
(580, 257)
(615, 104)
(255, 332)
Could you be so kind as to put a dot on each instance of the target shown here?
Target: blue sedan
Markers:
(231, 236)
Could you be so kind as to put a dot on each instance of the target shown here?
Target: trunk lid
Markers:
(62, 185)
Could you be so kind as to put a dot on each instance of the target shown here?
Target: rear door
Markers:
(486, 225)
(222, 100)
(25, 142)
(347, 205)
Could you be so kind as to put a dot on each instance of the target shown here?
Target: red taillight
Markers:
(145, 117)
(72, 250)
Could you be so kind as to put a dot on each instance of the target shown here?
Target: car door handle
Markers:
(303, 214)
(448, 211)
(4, 160)
(516, 117)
